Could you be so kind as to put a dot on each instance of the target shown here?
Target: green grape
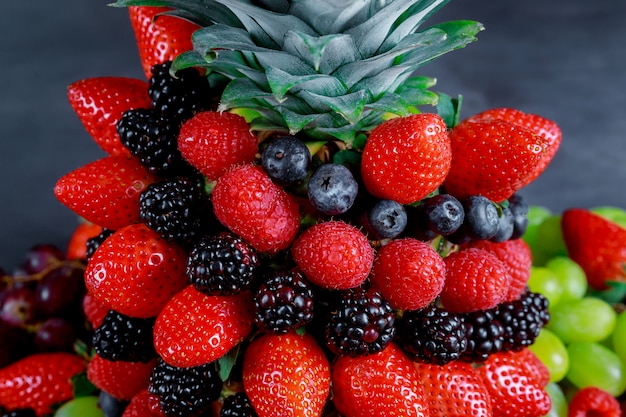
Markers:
(80, 407)
(559, 402)
(536, 215)
(545, 282)
(592, 364)
(552, 352)
(618, 338)
(614, 214)
(572, 278)
(550, 241)
(588, 319)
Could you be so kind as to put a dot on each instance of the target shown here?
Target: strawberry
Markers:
(517, 259)
(194, 328)
(535, 366)
(94, 310)
(100, 102)
(120, 379)
(381, 384)
(541, 126)
(247, 202)
(407, 158)
(409, 273)
(286, 375)
(39, 381)
(593, 401)
(492, 158)
(139, 405)
(333, 254)
(454, 390)
(513, 388)
(77, 244)
(213, 142)
(475, 280)
(598, 245)
(106, 191)
(159, 37)
(135, 271)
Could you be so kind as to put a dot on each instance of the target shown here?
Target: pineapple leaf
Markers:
(323, 53)
(328, 16)
(240, 92)
(349, 106)
(204, 12)
(295, 121)
(281, 82)
(449, 109)
(220, 36)
(186, 60)
(384, 81)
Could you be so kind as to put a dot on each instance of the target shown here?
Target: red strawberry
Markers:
(106, 191)
(409, 273)
(513, 389)
(543, 127)
(194, 328)
(135, 271)
(598, 245)
(100, 102)
(534, 366)
(159, 37)
(454, 390)
(492, 158)
(517, 259)
(120, 379)
(407, 158)
(593, 401)
(39, 381)
(475, 280)
(382, 384)
(247, 202)
(213, 142)
(333, 254)
(94, 310)
(139, 405)
(77, 244)
(286, 375)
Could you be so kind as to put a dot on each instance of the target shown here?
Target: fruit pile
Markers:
(291, 223)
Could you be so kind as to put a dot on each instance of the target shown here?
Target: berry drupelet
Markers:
(18, 412)
(522, 320)
(94, 242)
(484, 335)
(283, 302)
(124, 338)
(237, 405)
(222, 264)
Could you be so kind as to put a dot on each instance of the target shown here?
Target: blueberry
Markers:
(481, 217)
(505, 226)
(417, 225)
(332, 189)
(286, 160)
(387, 219)
(519, 208)
(444, 214)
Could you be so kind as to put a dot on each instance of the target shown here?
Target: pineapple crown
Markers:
(325, 68)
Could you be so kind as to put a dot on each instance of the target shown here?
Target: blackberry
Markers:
(185, 392)
(484, 335)
(286, 159)
(18, 412)
(283, 302)
(386, 219)
(332, 189)
(522, 320)
(363, 322)
(94, 243)
(124, 338)
(153, 138)
(432, 335)
(182, 96)
(222, 264)
(237, 405)
(178, 209)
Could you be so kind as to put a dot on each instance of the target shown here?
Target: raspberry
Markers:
(594, 401)
(124, 338)
(475, 280)
(409, 273)
(333, 255)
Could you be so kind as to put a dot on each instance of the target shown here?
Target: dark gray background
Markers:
(563, 59)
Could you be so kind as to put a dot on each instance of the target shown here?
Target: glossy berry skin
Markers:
(111, 200)
(514, 153)
(121, 379)
(213, 142)
(194, 328)
(99, 104)
(77, 244)
(409, 273)
(137, 262)
(386, 219)
(506, 226)
(332, 189)
(593, 401)
(161, 38)
(481, 217)
(333, 254)
(286, 375)
(406, 158)
(519, 207)
(596, 244)
(386, 383)
(139, 405)
(286, 159)
(444, 214)
(39, 381)
(475, 280)
(249, 204)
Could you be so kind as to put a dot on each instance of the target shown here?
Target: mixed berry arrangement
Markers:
(289, 222)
